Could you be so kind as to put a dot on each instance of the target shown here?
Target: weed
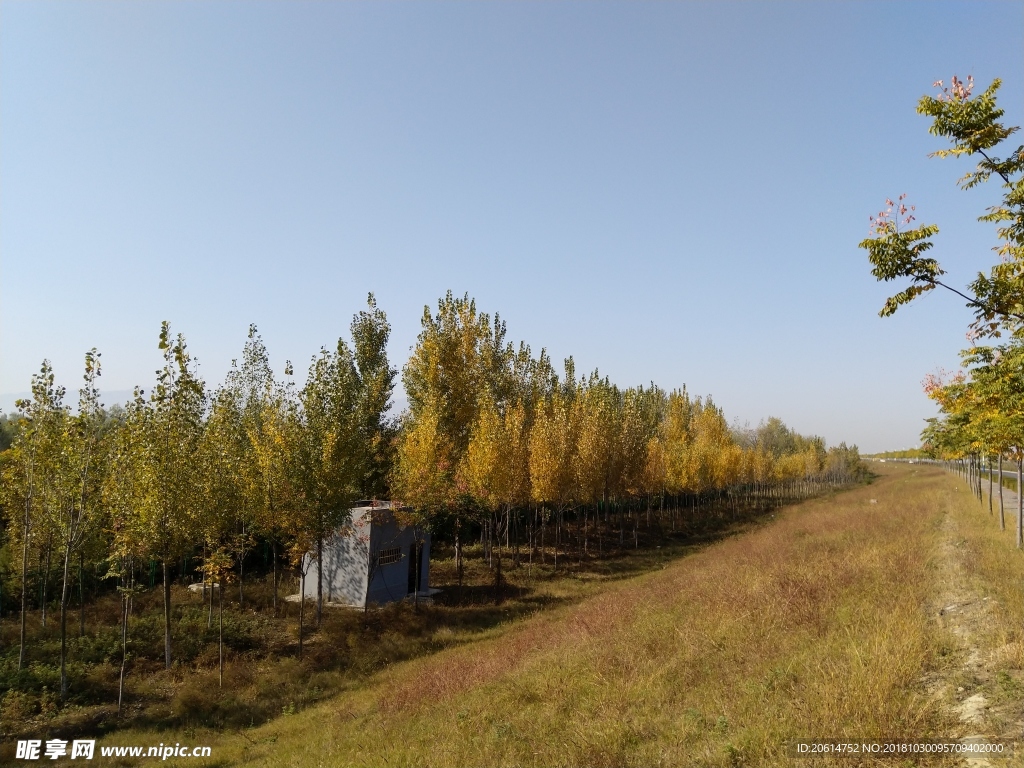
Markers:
(1007, 684)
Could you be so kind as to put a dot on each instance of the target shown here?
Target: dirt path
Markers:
(966, 614)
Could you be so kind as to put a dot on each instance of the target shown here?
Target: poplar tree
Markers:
(32, 452)
(676, 439)
(127, 487)
(375, 379)
(245, 409)
(225, 509)
(712, 452)
(423, 474)
(640, 419)
(329, 458)
(460, 355)
(496, 468)
(276, 454)
(552, 450)
(172, 426)
(71, 500)
(596, 438)
(655, 477)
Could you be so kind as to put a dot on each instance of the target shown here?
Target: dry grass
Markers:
(263, 677)
(994, 570)
(812, 625)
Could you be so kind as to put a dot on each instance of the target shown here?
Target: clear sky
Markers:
(670, 192)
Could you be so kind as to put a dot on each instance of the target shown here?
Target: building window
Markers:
(387, 556)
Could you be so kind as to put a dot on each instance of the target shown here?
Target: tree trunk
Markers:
(418, 563)
(977, 477)
(167, 616)
(497, 569)
(319, 580)
(990, 484)
(515, 539)
(220, 634)
(531, 535)
(458, 557)
(124, 650)
(488, 533)
(1002, 516)
(273, 554)
(241, 578)
(81, 594)
(543, 526)
(64, 626)
(1020, 504)
(558, 530)
(24, 586)
(46, 579)
(302, 606)
(580, 536)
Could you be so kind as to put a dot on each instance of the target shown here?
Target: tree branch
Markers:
(974, 302)
(995, 166)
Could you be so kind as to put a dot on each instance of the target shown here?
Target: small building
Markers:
(375, 559)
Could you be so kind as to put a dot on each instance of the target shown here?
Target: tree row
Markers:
(495, 443)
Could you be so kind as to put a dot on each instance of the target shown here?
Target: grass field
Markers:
(818, 623)
(881, 611)
(264, 675)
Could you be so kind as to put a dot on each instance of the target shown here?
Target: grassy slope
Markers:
(994, 569)
(812, 625)
(263, 675)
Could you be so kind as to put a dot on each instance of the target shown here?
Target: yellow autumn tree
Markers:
(496, 469)
(552, 446)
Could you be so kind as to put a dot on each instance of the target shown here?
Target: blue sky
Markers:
(668, 191)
